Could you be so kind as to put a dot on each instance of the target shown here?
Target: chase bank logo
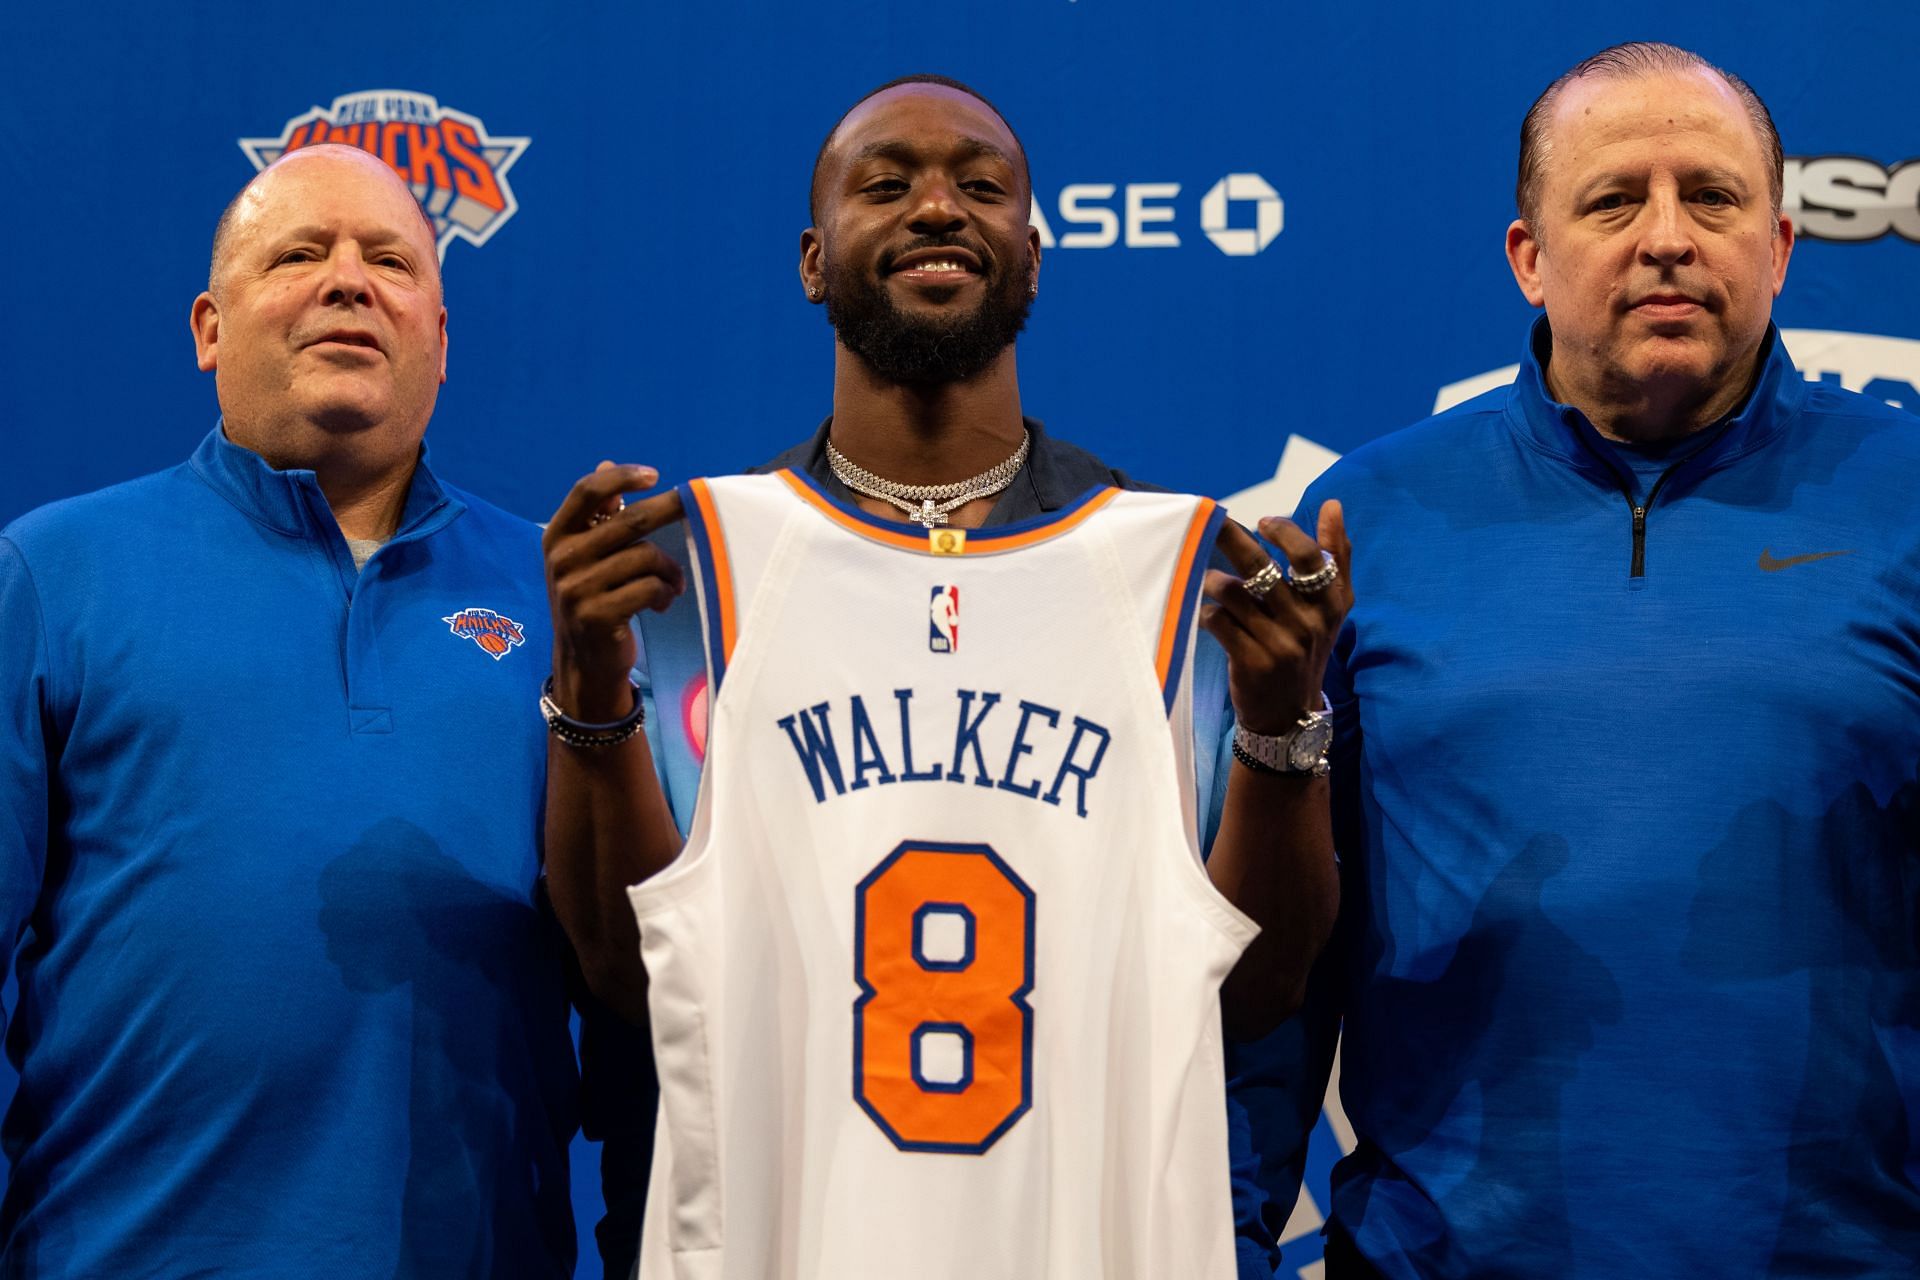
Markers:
(1241, 214)
(457, 170)
(1216, 214)
(1852, 199)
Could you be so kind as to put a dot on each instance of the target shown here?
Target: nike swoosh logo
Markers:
(1771, 565)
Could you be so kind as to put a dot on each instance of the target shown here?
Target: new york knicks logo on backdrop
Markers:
(458, 171)
(495, 633)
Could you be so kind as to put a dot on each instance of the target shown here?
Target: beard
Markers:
(912, 349)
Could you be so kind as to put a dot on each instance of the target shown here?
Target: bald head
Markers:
(323, 324)
(247, 203)
(909, 84)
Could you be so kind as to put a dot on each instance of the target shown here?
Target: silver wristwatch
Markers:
(1303, 750)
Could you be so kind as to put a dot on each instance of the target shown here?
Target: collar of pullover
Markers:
(291, 502)
(1562, 431)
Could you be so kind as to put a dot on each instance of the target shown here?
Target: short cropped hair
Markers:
(820, 156)
(1628, 62)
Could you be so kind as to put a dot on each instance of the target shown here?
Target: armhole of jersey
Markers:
(1183, 598)
(713, 580)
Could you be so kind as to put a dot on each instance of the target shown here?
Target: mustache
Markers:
(954, 241)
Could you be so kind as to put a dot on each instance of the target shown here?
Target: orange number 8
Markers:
(942, 1032)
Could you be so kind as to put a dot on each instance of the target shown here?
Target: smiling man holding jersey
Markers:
(922, 255)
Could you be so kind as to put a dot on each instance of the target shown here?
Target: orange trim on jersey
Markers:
(720, 566)
(979, 541)
(1180, 594)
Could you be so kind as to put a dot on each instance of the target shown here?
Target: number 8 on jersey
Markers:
(942, 1032)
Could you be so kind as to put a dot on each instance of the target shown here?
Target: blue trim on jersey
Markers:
(965, 1081)
(702, 538)
(919, 937)
(976, 538)
(673, 661)
(1195, 571)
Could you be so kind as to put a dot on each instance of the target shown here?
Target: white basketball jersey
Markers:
(934, 983)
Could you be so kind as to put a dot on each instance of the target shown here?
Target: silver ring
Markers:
(1263, 580)
(1312, 584)
(601, 517)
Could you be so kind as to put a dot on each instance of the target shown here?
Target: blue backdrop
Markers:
(1273, 231)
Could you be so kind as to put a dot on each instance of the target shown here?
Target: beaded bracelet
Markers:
(578, 733)
(1254, 763)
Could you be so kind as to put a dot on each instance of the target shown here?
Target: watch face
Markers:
(1309, 745)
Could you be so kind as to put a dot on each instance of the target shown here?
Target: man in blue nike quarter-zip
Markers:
(1627, 770)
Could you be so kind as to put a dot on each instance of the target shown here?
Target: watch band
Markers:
(1273, 752)
(1254, 762)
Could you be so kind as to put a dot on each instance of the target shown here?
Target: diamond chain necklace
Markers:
(929, 504)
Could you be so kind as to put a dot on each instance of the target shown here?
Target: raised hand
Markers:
(600, 572)
(1279, 631)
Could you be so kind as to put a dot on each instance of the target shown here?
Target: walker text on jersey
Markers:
(995, 760)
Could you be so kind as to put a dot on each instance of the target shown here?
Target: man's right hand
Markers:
(600, 572)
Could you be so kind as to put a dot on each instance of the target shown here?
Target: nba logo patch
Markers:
(495, 633)
(943, 622)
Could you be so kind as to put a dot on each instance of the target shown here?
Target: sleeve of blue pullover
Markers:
(26, 739)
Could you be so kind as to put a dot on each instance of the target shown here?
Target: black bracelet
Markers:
(1256, 764)
(578, 733)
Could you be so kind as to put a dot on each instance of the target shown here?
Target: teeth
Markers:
(937, 266)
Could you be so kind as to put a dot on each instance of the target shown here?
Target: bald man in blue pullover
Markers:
(290, 1004)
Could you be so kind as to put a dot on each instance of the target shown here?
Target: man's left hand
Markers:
(1278, 642)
